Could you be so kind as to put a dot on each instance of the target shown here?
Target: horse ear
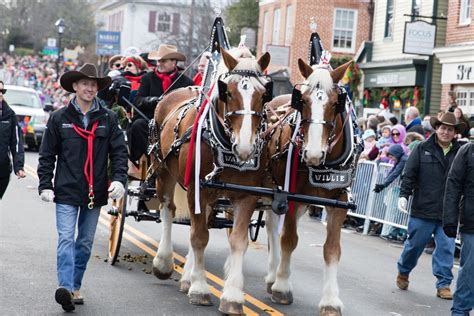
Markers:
(264, 61)
(305, 69)
(339, 72)
(229, 61)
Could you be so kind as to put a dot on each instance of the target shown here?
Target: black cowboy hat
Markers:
(88, 71)
(449, 119)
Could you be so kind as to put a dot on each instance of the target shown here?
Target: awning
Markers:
(394, 73)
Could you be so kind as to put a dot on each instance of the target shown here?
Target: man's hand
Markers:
(402, 205)
(378, 188)
(116, 190)
(20, 174)
(47, 195)
(450, 231)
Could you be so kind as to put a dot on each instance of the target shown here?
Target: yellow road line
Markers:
(270, 310)
(177, 268)
(252, 300)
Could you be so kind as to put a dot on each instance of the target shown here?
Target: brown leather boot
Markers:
(444, 293)
(402, 281)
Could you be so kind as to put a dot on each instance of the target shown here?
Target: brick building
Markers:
(284, 29)
(457, 57)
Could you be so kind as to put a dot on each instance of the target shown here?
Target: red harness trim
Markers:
(89, 136)
(189, 161)
(294, 171)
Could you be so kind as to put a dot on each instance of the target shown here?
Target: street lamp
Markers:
(60, 26)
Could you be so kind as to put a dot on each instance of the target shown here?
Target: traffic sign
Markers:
(107, 43)
(51, 42)
(50, 51)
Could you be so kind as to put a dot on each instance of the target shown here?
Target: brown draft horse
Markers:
(241, 116)
(319, 123)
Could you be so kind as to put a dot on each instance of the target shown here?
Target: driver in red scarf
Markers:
(153, 85)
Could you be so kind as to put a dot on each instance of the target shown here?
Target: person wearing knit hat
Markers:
(134, 68)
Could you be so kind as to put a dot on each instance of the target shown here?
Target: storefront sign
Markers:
(392, 78)
(419, 38)
(457, 73)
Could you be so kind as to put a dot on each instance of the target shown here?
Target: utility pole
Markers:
(189, 54)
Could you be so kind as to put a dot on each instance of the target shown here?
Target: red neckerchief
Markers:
(135, 80)
(166, 79)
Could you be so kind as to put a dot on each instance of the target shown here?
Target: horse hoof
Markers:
(184, 286)
(269, 288)
(282, 298)
(330, 311)
(231, 308)
(200, 299)
(162, 275)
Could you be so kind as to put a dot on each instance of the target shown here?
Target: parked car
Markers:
(31, 115)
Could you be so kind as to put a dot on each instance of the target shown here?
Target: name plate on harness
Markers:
(227, 158)
(330, 179)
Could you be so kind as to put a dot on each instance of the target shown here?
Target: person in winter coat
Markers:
(134, 68)
(413, 120)
(11, 143)
(201, 67)
(153, 85)
(425, 176)
(80, 138)
(459, 207)
(397, 136)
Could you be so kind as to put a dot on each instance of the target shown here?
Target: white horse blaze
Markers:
(246, 90)
(315, 137)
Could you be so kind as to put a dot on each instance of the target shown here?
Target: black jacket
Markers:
(395, 150)
(60, 140)
(460, 183)
(11, 142)
(150, 86)
(425, 174)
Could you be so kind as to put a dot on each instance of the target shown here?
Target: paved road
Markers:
(28, 281)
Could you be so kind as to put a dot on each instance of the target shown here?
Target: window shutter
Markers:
(152, 22)
(175, 28)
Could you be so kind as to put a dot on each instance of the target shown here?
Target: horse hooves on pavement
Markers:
(162, 275)
(269, 288)
(231, 308)
(200, 299)
(330, 311)
(184, 286)
(282, 298)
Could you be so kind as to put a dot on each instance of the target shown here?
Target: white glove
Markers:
(402, 205)
(116, 190)
(47, 195)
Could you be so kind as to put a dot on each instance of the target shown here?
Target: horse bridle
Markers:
(297, 104)
(224, 94)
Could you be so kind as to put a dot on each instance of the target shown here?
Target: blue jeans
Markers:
(419, 233)
(463, 299)
(73, 255)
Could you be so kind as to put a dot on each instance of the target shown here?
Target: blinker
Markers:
(297, 99)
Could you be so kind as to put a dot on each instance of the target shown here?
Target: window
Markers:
(465, 12)
(289, 25)
(416, 7)
(276, 26)
(164, 23)
(345, 24)
(265, 31)
(116, 22)
(389, 19)
(465, 100)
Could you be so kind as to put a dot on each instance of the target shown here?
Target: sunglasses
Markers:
(3, 91)
(130, 65)
(118, 65)
(162, 61)
(395, 134)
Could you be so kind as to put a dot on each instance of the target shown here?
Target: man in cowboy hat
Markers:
(459, 207)
(165, 78)
(80, 138)
(425, 176)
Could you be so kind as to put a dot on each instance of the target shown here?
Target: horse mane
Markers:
(246, 61)
(320, 76)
